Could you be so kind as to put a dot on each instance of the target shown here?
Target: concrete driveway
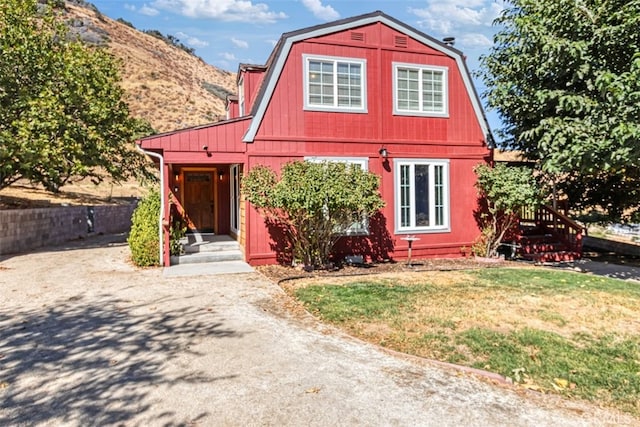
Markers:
(86, 339)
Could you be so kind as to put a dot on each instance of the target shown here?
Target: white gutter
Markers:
(160, 240)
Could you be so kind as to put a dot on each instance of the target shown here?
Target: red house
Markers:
(368, 90)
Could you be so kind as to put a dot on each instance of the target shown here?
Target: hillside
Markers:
(164, 85)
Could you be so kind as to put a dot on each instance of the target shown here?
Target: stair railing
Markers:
(557, 224)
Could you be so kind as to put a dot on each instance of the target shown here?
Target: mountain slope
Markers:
(164, 85)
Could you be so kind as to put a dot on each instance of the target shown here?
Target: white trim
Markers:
(241, 97)
(444, 228)
(235, 198)
(335, 107)
(420, 67)
(278, 66)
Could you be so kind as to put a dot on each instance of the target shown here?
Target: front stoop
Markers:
(208, 248)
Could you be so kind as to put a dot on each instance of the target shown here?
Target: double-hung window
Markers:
(334, 84)
(360, 224)
(422, 195)
(420, 90)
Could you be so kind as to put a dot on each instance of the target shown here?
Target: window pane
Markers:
(422, 195)
(405, 196)
(439, 194)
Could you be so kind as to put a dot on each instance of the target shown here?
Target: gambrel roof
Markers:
(278, 58)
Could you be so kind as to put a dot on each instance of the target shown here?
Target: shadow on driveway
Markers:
(99, 357)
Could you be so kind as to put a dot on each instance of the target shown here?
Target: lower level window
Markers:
(360, 223)
(422, 195)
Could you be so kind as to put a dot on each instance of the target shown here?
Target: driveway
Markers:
(87, 339)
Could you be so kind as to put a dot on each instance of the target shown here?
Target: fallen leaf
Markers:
(313, 390)
(560, 384)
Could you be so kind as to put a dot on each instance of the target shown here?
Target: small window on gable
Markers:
(420, 90)
(334, 84)
(360, 225)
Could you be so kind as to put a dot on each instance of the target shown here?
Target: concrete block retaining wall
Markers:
(22, 230)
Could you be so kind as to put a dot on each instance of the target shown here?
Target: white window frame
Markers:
(446, 202)
(363, 162)
(234, 191)
(421, 112)
(306, 59)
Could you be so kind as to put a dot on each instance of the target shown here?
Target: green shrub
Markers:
(143, 239)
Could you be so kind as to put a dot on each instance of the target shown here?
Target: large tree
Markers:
(564, 76)
(62, 114)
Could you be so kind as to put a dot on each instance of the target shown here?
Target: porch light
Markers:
(383, 152)
(220, 175)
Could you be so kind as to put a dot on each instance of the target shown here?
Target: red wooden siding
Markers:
(223, 141)
(287, 132)
(252, 80)
(286, 119)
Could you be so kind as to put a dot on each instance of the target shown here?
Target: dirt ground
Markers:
(87, 339)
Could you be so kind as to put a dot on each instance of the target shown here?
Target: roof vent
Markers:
(358, 37)
(401, 41)
(449, 41)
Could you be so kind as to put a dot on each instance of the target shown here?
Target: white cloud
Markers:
(224, 10)
(239, 43)
(148, 11)
(130, 7)
(191, 41)
(326, 13)
(229, 56)
(473, 40)
(446, 16)
(272, 42)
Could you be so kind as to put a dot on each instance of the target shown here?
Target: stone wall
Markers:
(22, 230)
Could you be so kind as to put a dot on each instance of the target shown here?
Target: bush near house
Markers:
(313, 204)
(143, 239)
(503, 191)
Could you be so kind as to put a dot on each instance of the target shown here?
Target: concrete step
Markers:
(203, 257)
(211, 246)
(208, 268)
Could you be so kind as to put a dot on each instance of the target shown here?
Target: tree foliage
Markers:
(313, 203)
(144, 239)
(503, 191)
(62, 114)
(565, 78)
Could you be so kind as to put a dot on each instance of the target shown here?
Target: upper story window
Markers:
(335, 84)
(420, 90)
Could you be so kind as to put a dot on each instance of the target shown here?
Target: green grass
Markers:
(562, 332)
(356, 301)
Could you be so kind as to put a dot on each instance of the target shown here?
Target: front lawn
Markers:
(551, 331)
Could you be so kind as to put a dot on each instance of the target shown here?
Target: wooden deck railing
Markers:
(550, 221)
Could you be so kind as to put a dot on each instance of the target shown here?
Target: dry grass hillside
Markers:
(165, 85)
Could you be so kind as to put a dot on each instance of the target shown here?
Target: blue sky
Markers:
(227, 32)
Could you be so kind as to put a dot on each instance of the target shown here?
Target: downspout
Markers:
(160, 239)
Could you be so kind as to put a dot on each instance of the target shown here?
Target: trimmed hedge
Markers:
(143, 239)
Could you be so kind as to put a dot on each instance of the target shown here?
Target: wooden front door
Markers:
(199, 201)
